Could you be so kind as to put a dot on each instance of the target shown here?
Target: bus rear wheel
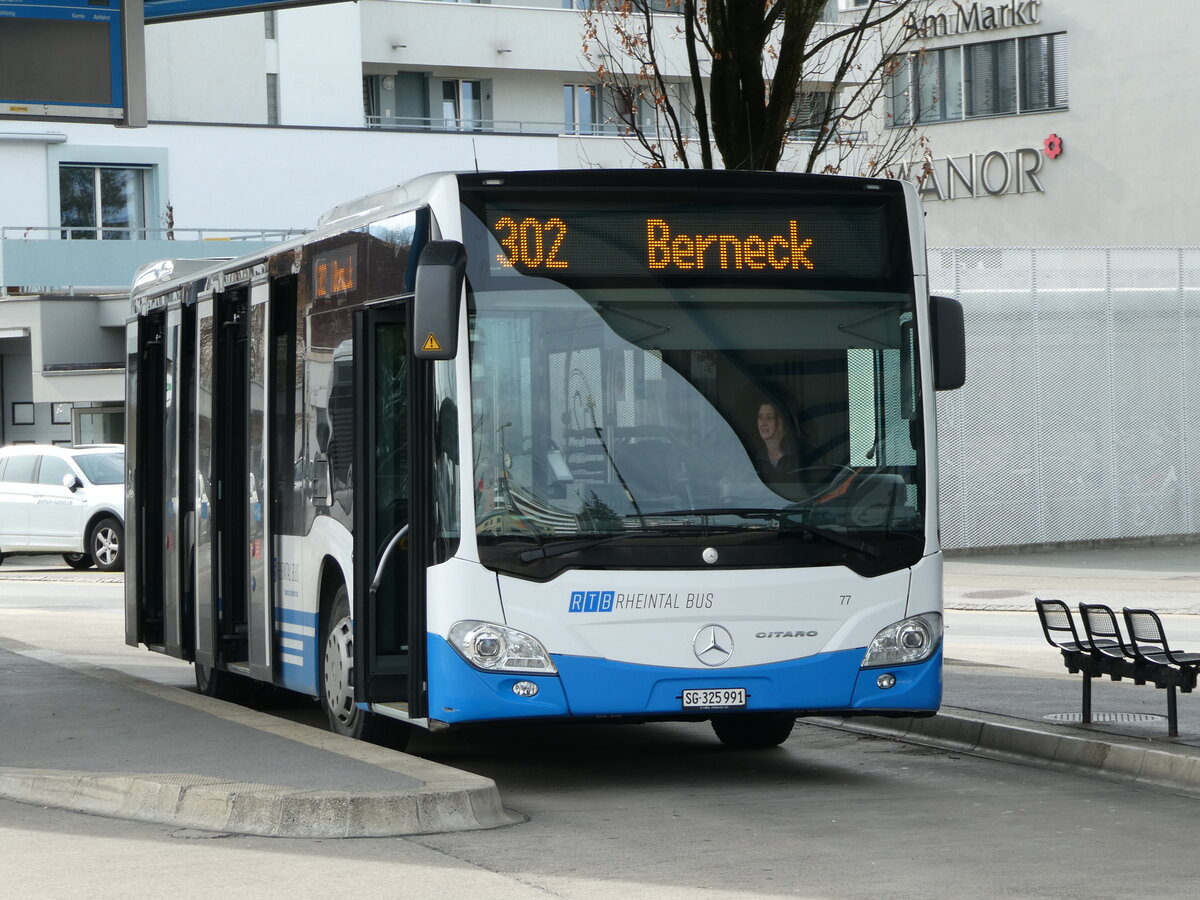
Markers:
(221, 684)
(337, 684)
(753, 730)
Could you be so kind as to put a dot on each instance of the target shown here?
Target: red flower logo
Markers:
(1053, 145)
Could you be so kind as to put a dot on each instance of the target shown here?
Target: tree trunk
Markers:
(749, 126)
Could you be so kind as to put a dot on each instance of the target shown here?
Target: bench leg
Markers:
(1087, 698)
(1172, 713)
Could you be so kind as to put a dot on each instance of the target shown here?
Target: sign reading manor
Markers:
(977, 175)
(973, 18)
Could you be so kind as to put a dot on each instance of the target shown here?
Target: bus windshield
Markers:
(645, 427)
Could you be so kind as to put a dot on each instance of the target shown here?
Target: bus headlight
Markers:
(498, 648)
(910, 640)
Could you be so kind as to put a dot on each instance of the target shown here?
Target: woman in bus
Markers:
(775, 452)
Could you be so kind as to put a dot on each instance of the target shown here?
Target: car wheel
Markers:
(78, 560)
(753, 730)
(337, 683)
(107, 545)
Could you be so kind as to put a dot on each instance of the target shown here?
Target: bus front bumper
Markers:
(828, 684)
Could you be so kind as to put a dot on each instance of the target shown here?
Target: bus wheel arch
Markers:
(337, 669)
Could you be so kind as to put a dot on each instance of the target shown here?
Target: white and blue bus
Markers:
(643, 445)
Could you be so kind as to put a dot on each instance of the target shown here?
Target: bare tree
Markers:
(756, 79)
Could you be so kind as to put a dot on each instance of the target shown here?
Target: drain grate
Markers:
(1113, 718)
(993, 595)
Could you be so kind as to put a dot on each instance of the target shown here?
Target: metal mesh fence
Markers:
(1080, 418)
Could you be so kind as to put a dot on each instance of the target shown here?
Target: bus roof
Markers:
(164, 276)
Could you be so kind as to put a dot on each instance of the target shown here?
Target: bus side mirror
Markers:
(440, 275)
(949, 344)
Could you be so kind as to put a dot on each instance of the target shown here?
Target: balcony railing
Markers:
(49, 259)
(120, 233)
(613, 128)
(507, 126)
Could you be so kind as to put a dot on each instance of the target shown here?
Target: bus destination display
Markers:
(724, 242)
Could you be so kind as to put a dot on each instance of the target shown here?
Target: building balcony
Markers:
(91, 260)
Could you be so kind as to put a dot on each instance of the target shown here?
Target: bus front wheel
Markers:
(337, 683)
(753, 730)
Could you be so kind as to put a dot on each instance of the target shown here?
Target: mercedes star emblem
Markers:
(713, 645)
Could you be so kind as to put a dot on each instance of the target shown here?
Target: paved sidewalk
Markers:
(1165, 578)
(71, 739)
(1034, 715)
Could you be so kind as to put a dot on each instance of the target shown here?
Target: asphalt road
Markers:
(654, 811)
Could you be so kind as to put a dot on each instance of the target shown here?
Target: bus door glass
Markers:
(144, 519)
(384, 648)
(205, 488)
(225, 413)
(257, 508)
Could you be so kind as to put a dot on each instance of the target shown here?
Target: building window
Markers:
(990, 78)
(99, 425)
(22, 413)
(581, 109)
(1044, 72)
(102, 202)
(996, 78)
(938, 88)
(269, 25)
(272, 98)
(462, 105)
(812, 111)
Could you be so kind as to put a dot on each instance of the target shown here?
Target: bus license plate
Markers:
(714, 698)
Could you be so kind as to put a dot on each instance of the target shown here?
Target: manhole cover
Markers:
(992, 595)
(1117, 718)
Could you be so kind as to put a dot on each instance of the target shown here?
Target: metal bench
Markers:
(1145, 657)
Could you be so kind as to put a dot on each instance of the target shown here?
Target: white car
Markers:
(64, 500)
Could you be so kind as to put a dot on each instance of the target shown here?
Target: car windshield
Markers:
(102, 468)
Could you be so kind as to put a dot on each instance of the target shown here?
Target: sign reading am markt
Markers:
(967, 19)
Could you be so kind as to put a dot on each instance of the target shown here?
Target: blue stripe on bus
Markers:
(297, 666)
(828, 683)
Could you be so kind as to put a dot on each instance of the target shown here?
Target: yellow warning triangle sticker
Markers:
(431, 343)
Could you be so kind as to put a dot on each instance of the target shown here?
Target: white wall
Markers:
(320, 66)
(23, 172)
(207, 70)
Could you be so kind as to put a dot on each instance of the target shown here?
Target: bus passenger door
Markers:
(146, 387)
(389, 620)
(159, 409)
(233, 592)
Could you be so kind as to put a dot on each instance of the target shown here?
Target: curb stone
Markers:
(219, 805)
(1168, 766)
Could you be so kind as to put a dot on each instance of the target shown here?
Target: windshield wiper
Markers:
(546, 551)
(783, 516)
